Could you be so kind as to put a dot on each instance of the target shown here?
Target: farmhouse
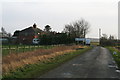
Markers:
(27, 35)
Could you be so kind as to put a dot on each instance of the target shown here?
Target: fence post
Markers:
(29, 47)
(34, 48)
(9, 49)
(17, 49)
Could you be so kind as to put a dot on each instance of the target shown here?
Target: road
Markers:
(97, 63)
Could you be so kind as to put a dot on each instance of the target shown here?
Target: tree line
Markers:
(76, 29)
(109, 41)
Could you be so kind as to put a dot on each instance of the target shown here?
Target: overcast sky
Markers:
(20, 14)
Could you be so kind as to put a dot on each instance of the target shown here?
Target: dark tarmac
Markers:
(96, 63)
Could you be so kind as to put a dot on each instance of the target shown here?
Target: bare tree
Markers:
(69, 29)
(105, 36)
(3, 30)
(78, 28)
(111, 37)
(4, 33)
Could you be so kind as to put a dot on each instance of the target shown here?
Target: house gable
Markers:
(26, 36)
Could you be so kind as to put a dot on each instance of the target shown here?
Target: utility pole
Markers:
(99, 34)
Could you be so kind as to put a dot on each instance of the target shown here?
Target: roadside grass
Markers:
(13, 61)
(116, 54)
(0, 76)
(39, 68)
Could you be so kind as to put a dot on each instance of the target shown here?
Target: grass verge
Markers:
(115, 54)
(35, 70)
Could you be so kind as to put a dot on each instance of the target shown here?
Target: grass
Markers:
(37, 69)
(0, 77)
(95, 43)
(6, 49)
(13, 61)
(115, 56)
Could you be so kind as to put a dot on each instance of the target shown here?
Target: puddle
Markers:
(117, 67)
(93, 50)
(67, 75)
(110, 65)
(114, 62)
(118, 71)
(76, 64)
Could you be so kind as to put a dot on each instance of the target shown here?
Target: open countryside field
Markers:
(95, 43)
(10, 49)
(13, 62)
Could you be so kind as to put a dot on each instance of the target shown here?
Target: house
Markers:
(28, 35)
(4, 37)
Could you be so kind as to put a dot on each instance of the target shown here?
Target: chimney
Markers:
(34, 25)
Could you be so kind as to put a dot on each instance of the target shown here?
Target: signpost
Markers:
(83, 40)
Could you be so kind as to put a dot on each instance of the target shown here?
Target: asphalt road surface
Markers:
(96, 63)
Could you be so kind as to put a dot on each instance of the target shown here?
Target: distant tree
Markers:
(4, 33)
(77, 29)
(69, 29)
(111, 37)
(105, 36)
(107, 41)
(9, 35)
(47, 28)
(3, 30)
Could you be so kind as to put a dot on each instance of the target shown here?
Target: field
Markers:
(10, 49)
(95, 43)
(41, 60)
